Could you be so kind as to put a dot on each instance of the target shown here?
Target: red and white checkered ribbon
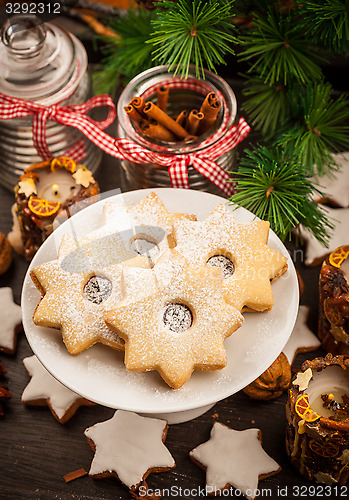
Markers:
(75, 116)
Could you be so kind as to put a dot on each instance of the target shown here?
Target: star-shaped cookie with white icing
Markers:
(234, 458)
(149, 212)
(129, 447)
(11, 321)
(43, 389)
(180, 326)
(80, 287)
(240, 249)
(302, 338)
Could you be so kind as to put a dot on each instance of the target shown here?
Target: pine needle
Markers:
(276, 188)
(192, 32)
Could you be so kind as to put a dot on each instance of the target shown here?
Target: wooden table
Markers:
(37, 451)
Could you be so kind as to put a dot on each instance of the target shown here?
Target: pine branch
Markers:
(276, 188)
(327, 21)
(267, 106)
(128, 55)
(192, 32)
(278, 50)
(320, 127)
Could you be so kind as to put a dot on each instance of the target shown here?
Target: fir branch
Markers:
(276, 188)
(128, 55)
(192, 32)
(319, 128)
(267, 106)
(327, 21)
(279, 50)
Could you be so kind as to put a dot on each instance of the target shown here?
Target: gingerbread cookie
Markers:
(149, 212)
(240, 250)
(302, 338)
(129, 447)
(315, 251)
(11, 321)
(90, 269)
(180, 325)
(233, 458)
(43, 389)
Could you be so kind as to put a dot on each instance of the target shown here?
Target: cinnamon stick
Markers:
(210, 108)
(194, 119)
(138, 103)
(153, 111)
(133, 114)
(182, 117)
(157, 131)
(162, 97)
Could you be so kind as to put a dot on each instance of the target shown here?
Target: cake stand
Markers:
(99, 374)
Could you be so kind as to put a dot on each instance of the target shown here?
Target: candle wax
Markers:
(332, 380)
(56, 186)
(345, 268)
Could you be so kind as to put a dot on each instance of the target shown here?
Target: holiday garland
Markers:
(287, 98)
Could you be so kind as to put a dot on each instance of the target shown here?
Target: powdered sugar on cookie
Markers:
(180, 325)
(253, 264)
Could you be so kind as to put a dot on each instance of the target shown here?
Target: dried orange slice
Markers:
(63, 162)
(332, 314)
(43, 208)
(324, 449)
(339, 255)
(303, 409)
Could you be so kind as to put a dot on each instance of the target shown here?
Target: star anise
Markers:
(335, 283)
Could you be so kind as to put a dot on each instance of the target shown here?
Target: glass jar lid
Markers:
(39, 62)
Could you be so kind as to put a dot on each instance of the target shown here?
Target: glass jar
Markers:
(185, 94)
(46, 64)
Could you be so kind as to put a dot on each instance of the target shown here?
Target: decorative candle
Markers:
(44, 191)
(334, 302)
(317, 435)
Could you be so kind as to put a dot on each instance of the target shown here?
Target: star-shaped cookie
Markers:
(302, 338)
(315, 251)
(149, 212)
(129, 447)
(11, 321)
(43, 389)
(180, 326)
(243, 246)
(80, 287)
(234, 458)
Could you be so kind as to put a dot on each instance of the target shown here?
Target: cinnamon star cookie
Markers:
(238, 248)
(180, 325)
(129, 447)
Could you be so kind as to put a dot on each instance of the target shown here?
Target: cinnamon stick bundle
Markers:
(138, 103)
(153, 111)
(182, 117)
(162, 97)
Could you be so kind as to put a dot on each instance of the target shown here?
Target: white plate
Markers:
(99, 373)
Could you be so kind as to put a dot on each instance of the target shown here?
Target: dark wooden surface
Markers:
(36, 451)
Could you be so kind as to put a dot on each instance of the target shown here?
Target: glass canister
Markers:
(184, 94)
(45, 64)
